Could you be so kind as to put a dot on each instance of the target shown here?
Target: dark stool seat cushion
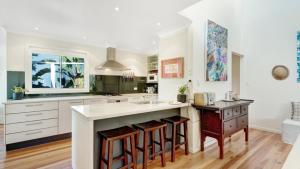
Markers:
(117, 132)
(175, 119)
(149, 125)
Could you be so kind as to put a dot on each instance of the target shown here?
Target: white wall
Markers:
(18, 43)
(2, 72)
(225, 13)
(173, 45)
(269, 39)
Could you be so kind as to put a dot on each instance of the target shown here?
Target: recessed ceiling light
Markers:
(117, 8)
(84, 38)
(154, 43)
(158, 24)
(36, 28)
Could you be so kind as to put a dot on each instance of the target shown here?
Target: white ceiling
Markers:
(134, 27)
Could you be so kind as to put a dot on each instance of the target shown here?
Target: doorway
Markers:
(236, 72)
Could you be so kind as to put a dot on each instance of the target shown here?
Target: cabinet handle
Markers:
(32, 124)
(32, 133)
(34, 105)
(36, 114)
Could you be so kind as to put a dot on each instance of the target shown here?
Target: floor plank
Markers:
(263, 151)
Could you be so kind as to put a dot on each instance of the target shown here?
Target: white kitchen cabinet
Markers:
(94, 101)
(65, 115)
(31, 107)
(31, 116)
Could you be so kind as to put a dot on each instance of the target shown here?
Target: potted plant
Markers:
(181, 97)
(18, 93)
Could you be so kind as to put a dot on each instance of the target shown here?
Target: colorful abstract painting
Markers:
(298, 57)
(216, 52)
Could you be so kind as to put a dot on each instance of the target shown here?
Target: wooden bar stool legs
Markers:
(108, 137)
(177, 121)
(149, 129)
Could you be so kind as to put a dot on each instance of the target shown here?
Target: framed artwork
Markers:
(172, 68)
(298, 57)
(216, 52)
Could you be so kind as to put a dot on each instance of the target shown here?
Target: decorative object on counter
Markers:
(190, 91)
(181, 97)
(216, 52)
(18, 93)
(229, 96)
(172, 68)
(298, 57)
(204, 99)
(200, 99)
(280, 72)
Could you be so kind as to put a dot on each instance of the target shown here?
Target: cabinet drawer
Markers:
(33, 116)
(236, 111)
(27, 126)
(30, 107)
(230, 127)
(244, 109)
(95, 101)
(242, 122)
(30, 135)
(228, 114)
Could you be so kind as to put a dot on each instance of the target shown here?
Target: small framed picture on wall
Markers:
(172, 68)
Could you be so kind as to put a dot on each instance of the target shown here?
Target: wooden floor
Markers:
(264, 150)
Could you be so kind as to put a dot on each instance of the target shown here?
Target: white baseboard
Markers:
(265, 129)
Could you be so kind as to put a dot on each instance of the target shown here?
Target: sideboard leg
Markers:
(246, 130)
(221, 146)
(202, 141)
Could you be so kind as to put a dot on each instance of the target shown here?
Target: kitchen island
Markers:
(88, 119)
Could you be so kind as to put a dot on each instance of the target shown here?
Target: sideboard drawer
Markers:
(30, 135)
(28, 126)
(33, 116)
(242, 122)
(236, 111)
(31, 107)
(230, 127)
(244, 109)
(228, 114)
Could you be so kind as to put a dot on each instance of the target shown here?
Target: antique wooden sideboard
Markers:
(222, 120)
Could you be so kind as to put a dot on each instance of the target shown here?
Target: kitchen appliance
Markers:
(150, 90)
(111, 63)
(152, 78)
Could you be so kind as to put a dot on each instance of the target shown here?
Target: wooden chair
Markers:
(149, 128)
(177, 121)
(108, 137)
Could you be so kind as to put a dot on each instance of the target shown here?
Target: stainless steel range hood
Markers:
(111, 63)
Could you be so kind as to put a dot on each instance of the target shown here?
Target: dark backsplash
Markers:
(98, 84)
(117, 84)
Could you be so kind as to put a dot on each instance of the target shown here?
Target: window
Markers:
(56, 71)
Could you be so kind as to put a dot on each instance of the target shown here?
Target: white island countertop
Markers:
(111, 110)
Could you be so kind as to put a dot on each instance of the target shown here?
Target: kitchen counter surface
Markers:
(111, 110)
(88, 96)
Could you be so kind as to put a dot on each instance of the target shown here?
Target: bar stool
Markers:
(108, 137)
(149, 128)
(177, 121)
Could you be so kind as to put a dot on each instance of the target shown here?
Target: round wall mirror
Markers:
(280, 72)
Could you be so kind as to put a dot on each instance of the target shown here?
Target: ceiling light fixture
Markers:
(158, 24)
(117, 8)
(84, 38)
(154, 43)
(36, 28)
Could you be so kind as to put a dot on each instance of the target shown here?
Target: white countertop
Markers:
(110, 110)
(46, 99)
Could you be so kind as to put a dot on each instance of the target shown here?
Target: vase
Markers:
(18, 96)
(181, 98)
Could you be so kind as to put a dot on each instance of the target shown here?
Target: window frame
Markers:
(60, 52)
